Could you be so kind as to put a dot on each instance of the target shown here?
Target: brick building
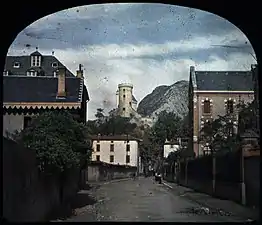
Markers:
(213, 93)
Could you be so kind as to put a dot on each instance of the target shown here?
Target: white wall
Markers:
(11, 123)
(119, 152)
(169, 148)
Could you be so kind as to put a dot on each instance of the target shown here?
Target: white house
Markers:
(170, 146)
(116, 149)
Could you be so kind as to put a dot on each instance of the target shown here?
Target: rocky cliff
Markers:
(173, 98)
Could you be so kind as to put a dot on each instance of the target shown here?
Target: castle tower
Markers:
(117, 98)
(125, 99)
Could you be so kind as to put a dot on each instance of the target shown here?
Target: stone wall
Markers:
(99, 171)
(28, 196)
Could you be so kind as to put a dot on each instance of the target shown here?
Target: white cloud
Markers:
(103, 74)
(107, 65)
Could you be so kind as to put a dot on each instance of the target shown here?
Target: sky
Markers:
(144, 44)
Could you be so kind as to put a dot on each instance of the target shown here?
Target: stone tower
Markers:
(125, 98)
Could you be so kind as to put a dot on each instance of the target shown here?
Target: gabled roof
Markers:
(23, 89)
(36, 53)
(25, 65)
(224, 80)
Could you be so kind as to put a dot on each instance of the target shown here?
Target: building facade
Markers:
(25, 96)
(214, 93)
(119, 150)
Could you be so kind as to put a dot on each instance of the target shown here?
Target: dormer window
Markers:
(54, 65)
(16, 65)
(31, 73)
(36, 61)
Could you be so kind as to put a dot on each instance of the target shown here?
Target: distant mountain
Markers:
(173, 98)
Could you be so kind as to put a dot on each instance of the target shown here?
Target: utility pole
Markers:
(213, 171)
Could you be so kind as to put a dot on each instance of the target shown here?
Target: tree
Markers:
(168, 126)
(248, 117)
(60, 142)
(220, 133)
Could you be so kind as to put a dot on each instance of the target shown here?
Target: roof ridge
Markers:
(225, 71)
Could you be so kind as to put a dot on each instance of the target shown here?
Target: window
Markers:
(124, 96)
(124, 109)
(127, 141)
(98, 148)
(230, 106)
(128, 148)
(36, 61)
(98, 141)
(98, 158)
(31, 73)
(111, 158)
(207, 107)
(27, 121)
(130, 103)
(127, 158)
(16, 65)
(5, 73)
(111, 147)
(124, 90)
(54, 65)
(172, 146)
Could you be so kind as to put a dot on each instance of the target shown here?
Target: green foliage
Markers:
(110, 125)
(168, 126)
(60, 141)
(248, 117)
(220, 136)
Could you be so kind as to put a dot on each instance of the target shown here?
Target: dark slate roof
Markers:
(40, 89)
(224, 80)
(133, 98)
(25, 65)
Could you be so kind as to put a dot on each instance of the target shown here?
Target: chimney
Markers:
(79, 72)
(53, 53)
(61, 83)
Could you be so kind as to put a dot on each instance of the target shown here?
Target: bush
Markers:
(60, 141)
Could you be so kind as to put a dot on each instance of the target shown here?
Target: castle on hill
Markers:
(127, 105)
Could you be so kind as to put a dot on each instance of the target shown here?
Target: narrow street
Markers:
(144, 200)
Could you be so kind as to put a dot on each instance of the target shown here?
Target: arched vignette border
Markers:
(16, 16)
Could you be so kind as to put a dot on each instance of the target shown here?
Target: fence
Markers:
(227, 176)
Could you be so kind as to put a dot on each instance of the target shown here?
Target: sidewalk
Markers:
(214, 203)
